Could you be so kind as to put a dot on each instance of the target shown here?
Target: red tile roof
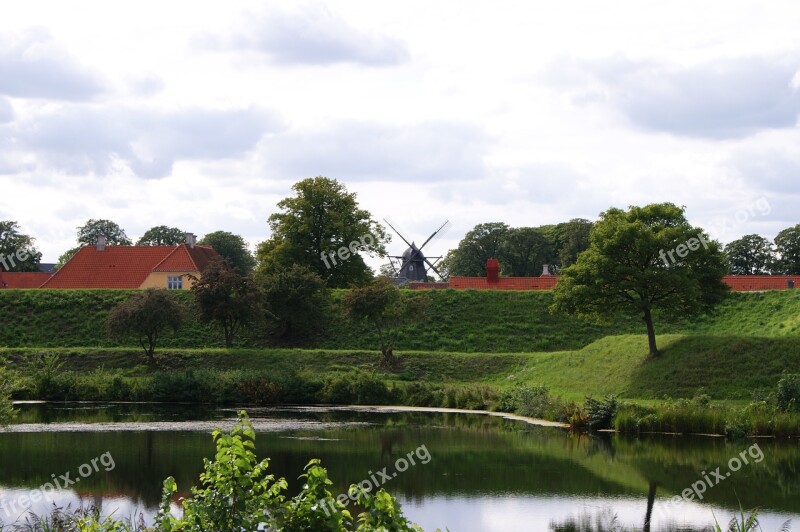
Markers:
(23, 279)
(126, 266)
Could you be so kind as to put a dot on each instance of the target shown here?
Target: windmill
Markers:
(412, 262)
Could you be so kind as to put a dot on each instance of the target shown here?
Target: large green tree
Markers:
(750, 255)
(382, 305)
(145, 316)
(787, 249)
(227, 298)
(18, 252)
(322, 228)
(569, 240)
(524, 251)
(640, 261)
(88, 234)
(296, 300)
(231, 247)
(161, 235)
(115, 235)
(482, 242)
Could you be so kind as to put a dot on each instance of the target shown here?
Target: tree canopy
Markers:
(642, 260)
(225, 297)
(18, 251)
(231, 247)
(115, 235)
(145, 316)
(522, 251)
(787, 249)
(750, 255)
(161, 235)
(296, 299)
(382, 305)
(322, 228)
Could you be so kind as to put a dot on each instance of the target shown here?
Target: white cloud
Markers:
(81, 140)
(34, 65)
(717, 99)
(309, 34)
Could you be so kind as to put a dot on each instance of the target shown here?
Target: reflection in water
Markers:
(485, 473)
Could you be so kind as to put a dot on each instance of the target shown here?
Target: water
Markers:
(464, 471)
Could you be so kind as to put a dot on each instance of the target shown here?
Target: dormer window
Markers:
(175, 283)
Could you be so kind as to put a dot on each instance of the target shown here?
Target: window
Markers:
(175, 283)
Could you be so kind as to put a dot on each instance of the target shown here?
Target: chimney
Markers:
(546, 270)
(492, 271)
(191, 239)
(101, 243)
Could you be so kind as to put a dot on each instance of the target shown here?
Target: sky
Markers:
(202, 115)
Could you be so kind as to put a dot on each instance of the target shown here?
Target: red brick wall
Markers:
(738, 283)
(751, 283)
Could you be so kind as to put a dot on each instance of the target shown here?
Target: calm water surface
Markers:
(470, 472)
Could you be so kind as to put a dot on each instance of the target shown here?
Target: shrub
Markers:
(599, 414)
(355, 388)
(788, 396)
(237, 493)
(531, 401)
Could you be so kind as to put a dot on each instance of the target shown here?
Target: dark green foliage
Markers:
(531, 401)
(355, 388)
(227, 299)
(323, 218)
(522, 251)
(788, 395)
(385, 308)
(115, 235)
(750, 255)
(161, 235)
(600, 413)
(787, 250)
(232, 248)
(296, 300)
(17, 250)
(7, 386)
(145, 316)
(628, 268)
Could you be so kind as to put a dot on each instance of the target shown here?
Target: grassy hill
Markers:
(471, 338)
(462, 321)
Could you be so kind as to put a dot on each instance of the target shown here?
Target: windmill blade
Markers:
(398, 232)
(434, 234)
(432, 267)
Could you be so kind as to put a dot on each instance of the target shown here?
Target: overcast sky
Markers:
(202, 115)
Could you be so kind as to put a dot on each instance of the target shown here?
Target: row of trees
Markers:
(228, 245)
(288, 302)
(755, 255)
(522, 251)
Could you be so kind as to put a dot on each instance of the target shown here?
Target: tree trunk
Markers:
(651, 499)
(651, 332)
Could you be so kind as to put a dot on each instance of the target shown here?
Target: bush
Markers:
(600, 414)
(355, 388)
(531, 401)
(788, 396)
(237, 493)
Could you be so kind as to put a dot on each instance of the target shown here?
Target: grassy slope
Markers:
(741, 349)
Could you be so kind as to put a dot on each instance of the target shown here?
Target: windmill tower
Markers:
(413, 264)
